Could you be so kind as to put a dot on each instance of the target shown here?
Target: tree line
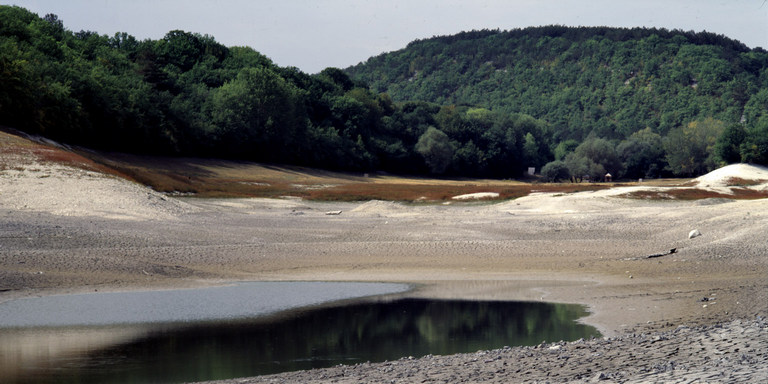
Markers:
(186, 94)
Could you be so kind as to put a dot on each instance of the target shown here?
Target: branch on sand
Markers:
(655, 255)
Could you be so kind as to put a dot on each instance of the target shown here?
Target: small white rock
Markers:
(694, 233)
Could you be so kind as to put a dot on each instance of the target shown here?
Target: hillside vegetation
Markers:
(651, 93)
(188, 95)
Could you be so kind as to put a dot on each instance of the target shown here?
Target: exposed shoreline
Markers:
(81, 231)
(721, 353)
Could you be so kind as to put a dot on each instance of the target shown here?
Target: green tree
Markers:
(690, 149)
(642, 154)
(258, 115)
(469, 159)
(181, 49)
(580, 167)
(339, 78)
(728, 145)
(755, 146)
(532, 151)
(594, 157)
(17, 86)
(436, 149)
(503, 100)
(555, 171)
(565, 147)
(756, 109)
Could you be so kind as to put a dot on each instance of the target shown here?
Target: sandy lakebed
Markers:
(696, 315)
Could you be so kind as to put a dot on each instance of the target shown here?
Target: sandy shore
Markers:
(68, 230)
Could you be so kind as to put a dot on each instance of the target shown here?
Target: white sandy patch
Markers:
(68, 191)
(578, 202)
(384, 209)
(731, 174)
(722, 181)
(475, 196)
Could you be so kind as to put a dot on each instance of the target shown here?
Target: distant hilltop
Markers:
(611, 81)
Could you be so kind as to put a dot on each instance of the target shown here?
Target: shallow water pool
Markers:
(241, 300)
(369, 329)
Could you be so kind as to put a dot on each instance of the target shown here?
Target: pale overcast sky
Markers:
(313, 35)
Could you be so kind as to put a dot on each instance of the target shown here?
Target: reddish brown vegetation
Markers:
(696, 194)
(16, 151)
(215, 178)
(439, 192)
(739, 182)
(340, 189)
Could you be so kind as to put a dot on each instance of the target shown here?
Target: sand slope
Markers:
(68, 191)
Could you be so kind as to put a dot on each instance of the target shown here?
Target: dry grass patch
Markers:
(405, 192)
(220, 178)
(739, 182)
(423, 192)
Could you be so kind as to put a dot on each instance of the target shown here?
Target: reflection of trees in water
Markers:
(329, 336)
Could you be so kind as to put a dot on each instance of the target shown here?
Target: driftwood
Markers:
(671, 251)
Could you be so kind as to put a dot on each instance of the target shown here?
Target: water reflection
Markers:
(374, 331)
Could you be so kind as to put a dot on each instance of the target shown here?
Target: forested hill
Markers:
(636, 103)
(187, 94)
(608, 81)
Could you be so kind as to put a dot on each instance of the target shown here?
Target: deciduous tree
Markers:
(690, 148)
(436, 148)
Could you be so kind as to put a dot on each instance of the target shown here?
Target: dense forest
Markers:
(576, 101)
(664, 101)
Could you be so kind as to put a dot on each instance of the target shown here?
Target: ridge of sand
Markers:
(746, 176)
(734, 173)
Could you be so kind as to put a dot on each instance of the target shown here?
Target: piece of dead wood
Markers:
(671, 251)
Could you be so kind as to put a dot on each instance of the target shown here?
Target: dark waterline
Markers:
(323, 337)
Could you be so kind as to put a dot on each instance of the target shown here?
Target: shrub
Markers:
(555, 171)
